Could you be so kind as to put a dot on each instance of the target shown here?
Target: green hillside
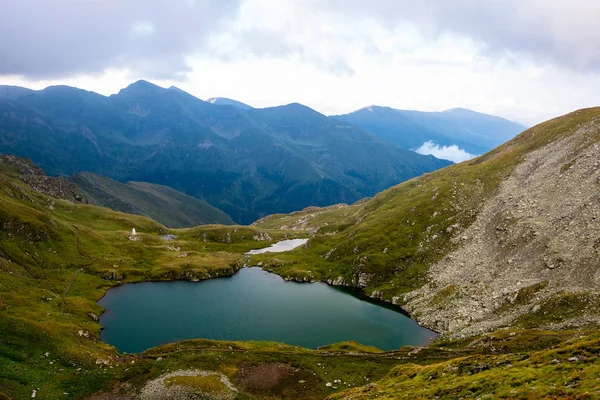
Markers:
(531, 204)
(161, 203)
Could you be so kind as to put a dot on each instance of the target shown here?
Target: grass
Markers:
(163, 204)
(567, 369)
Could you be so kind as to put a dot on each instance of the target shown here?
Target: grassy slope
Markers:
(503, 365)
(58, 259)
(394, 237)
(163, 204)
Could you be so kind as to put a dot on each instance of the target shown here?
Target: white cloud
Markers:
(452, 153)
(333, 55)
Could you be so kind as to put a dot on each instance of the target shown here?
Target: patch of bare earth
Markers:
(188, 385)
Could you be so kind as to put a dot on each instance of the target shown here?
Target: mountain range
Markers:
(247, 162)
(473, 132)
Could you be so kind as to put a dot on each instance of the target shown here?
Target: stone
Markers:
(363, 280)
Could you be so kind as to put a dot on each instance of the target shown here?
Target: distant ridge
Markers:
(161, 203)
(223, 101)
(472, 131)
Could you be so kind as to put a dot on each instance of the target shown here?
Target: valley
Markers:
(497, 254)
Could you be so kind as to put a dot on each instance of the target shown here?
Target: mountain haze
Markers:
(471, 131)
(246, 162)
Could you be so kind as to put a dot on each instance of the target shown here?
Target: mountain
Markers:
(471, 131)
(165, 205)
(14, 92)
(530, 208)
(248, 163)
(508, 239)
(161, 203)
(223, 101)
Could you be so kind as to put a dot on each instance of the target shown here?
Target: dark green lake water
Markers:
(251, 305)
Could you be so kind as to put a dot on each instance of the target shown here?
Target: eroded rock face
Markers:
(363, 279)
(112, 276)
(36, 178)
(534, 241)
(339, 281)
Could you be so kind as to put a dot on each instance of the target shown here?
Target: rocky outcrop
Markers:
(533, 244)
(112, 276)
(35, 177)
(339, 281)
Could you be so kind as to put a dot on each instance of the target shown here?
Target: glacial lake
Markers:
(250, 305)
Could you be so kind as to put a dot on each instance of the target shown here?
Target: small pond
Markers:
(280, 247)
(250, 305)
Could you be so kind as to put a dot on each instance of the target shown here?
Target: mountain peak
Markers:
(224, 101)
(14, 92)
(370, 108)
(141, 87)
(460, 110)
(298, 108)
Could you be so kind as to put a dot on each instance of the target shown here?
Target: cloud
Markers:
(61, 38)
(452, 153)
(563, 32)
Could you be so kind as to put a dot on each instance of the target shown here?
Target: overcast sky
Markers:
(527, 60)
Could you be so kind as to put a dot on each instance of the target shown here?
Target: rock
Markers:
(94, 317)
(339, 281)
(112, 276)
(385, 250)
(376, 294)
(262, 237)
(363, 280)
(556, 361)
(83, 333)
(329, 384)
(573, 359)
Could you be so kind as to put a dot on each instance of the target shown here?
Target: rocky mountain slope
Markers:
(507, 239)
(246, 162)
(35, 177)
(474, 132)
(161, 203)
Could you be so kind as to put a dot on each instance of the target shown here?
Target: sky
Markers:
(526, 60)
